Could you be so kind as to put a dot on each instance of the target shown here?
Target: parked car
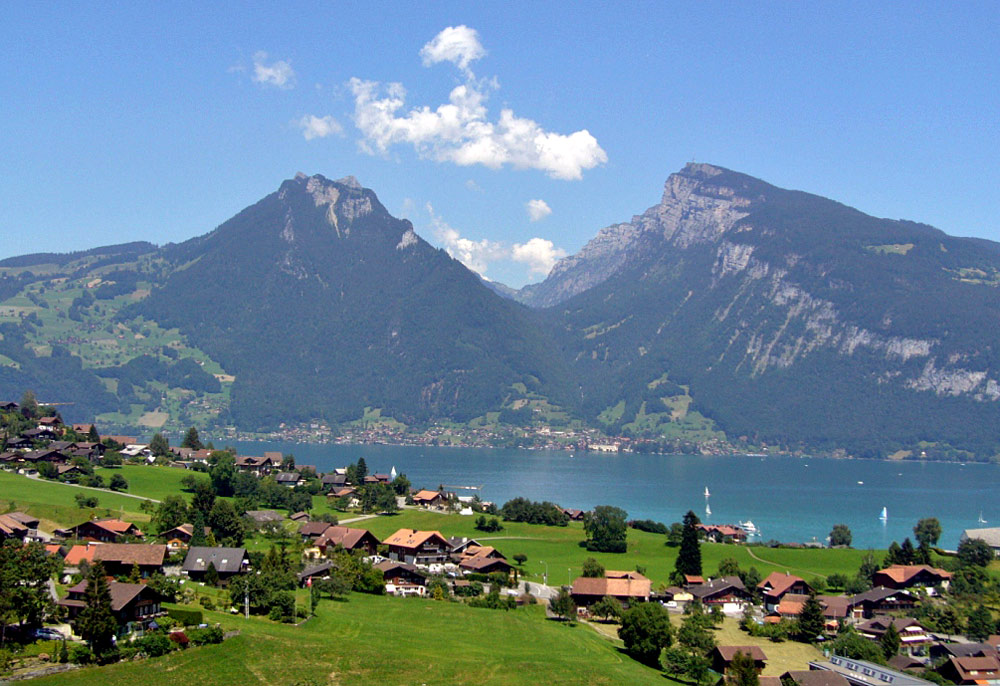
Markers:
(47, 634)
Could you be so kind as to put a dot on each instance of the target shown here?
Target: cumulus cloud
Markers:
(456, 44)
(476, 255)
(539, 254)
(279, 73)
(537, 209)
(461, 131)
(319, 127)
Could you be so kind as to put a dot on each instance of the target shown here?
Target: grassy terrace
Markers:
(380, 640)
(55, 505)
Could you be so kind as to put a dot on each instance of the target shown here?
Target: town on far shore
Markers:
(114, 549)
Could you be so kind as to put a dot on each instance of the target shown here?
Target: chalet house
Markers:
(17, 525)
(46, 455)
(91, 451)
(83, 428)
(10, 457)
(943, 651)
(290, 479)
(814, 677)
(348, 539)
(790, 607)
(261, 517)
(913, 637)
(20, 443)
(134, 605)
(180, 536)
(300, 517)
(722, 657)
(728, 592)
(693, 580)
(261, 466)
(7, 406)
(628, 588)
(78, 554)
(430, 499)
(227, 561)
(120, 441)
(106, 530)
(722, 533)
(573, 515)
(53, 423)
(908, 576)
(331, 482)
(459, 544)
(863, 673)
(377, 479)
(119, 558)
(990, 536)
(881, 601)
(69, 472)
(484, 560)
(836, 608)
(42, 433)
(402, 579)
(418, 547)
(318, 571)
(312, 530)
(971, 670)
(777, 584)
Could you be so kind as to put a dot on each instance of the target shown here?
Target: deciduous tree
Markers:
(646, 631)
(840, 535)
(606, 529)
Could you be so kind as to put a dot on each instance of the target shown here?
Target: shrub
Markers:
(155, 644)
(80, 654)
(212, 634)
(185, 616)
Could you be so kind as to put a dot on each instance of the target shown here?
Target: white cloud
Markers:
(460, 131)
(539, 254)
(279, 74)
(473, 186)
(319, 127)
(476, 255)
(537, 209)
(456, 44)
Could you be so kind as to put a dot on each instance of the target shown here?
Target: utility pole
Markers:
(246, 603)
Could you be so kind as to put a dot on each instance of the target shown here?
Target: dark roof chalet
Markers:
(719, 586)
(226, 560)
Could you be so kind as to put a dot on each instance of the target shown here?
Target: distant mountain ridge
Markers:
(775, 316)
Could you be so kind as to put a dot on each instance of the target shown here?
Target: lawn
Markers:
(150, 481)
(559, 548)
(54, 503)
(383, 640)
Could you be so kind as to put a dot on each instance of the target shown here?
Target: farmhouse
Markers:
(728, 592)
(418, 547)
(120, 558)
(227, 562)
(971, 670)
(106, 530)
(777, 584)
(722, 657)
(402, 579)
(430, 499)
(348, 538)
(909, 576)
(134, 605)
(626, 587)
(881, 601)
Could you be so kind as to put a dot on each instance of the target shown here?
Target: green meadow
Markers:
(383, 640)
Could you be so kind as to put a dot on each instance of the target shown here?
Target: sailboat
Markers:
(708, 509)
(981, 520)
(707, 494)
(885, 515)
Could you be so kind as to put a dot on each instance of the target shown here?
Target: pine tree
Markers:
(907, 553)
(92, 435)
(191, 440)
(890, 642)
(894, 555)
(212, 575)
(135, 576)
(198, 537)
(742, 671)
(362, 470)
(96, 621)
(810, 620)
(689, 555)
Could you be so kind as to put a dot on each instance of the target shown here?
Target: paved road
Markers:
(91, 488)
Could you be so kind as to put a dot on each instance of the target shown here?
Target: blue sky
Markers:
(140, 121)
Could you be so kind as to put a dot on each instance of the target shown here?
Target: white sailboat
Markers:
(392, 473)
(981, 520)
(885, 514)
(707, 494)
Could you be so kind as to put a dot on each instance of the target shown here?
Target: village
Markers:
(261, 536)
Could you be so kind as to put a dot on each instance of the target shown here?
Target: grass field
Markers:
(150, 482)
(381, 640)
(55, 503)
(559, 547)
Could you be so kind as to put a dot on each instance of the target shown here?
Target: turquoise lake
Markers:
(789, 499)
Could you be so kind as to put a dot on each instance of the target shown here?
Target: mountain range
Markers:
(731, 308)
